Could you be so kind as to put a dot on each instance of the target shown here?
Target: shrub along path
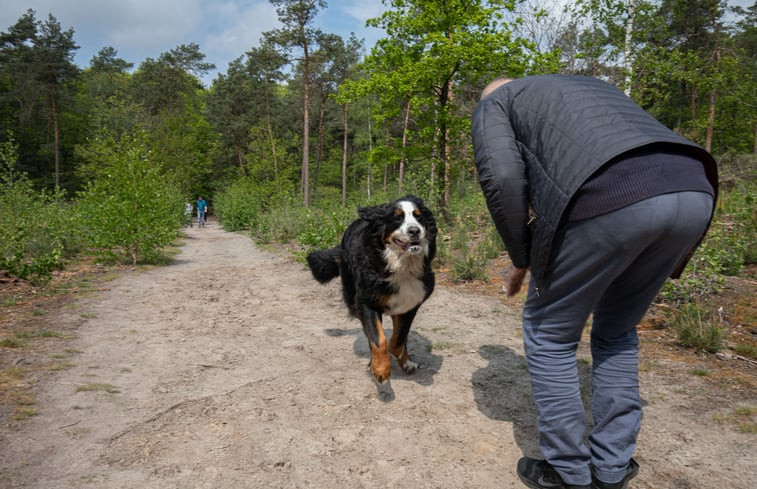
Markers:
(233, 368)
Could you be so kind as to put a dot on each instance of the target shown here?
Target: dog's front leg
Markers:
(380, 364)
(398, 343)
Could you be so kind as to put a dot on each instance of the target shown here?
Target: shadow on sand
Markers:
(418, 348)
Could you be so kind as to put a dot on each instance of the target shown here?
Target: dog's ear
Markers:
(372, 213)
(430, 223)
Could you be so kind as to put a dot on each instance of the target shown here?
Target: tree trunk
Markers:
(240, 157)
(306, 129)
(344, 158)
(447, 157)
(711, 121)
(270, 135)
(56, 136)
(713, 92)
(319, 144)
(370, 155)
(627, 46)
(403, 157)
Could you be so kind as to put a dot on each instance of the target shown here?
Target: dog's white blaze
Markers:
(406, 269)
(409, 220)
(408, 208)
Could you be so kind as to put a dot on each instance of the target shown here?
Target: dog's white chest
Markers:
(409, 295)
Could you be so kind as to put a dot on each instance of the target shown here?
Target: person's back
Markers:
(587, 191)
(557, 131)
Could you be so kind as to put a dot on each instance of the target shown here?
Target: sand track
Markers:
(233, 368)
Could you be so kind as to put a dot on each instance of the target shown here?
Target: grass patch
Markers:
(109, 388)
(11, 374)
(743, 418)
(695, 330)
(26, 335)
(745, 350)
(13, 343)
(469, 267)
(701, 372)
(53, 334)
(24, 413)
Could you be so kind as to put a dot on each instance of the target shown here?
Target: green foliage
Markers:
(282, 223)
(238, 205)
(696, 330)
(36, 232)
(247, 203)
(737, 211)
(323, 228)
(130, 210)
(469, 266)
(731, 241)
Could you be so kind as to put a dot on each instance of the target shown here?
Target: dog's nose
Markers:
(414, 231)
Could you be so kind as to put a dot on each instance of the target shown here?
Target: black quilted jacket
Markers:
(537, 139)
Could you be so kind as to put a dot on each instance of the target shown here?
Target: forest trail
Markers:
(232, 368)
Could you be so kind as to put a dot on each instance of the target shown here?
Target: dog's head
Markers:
(405, 226)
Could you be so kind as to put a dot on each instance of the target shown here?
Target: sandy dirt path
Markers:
(232, 368)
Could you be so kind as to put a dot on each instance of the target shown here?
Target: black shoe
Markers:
(631, 471)
(539, 474)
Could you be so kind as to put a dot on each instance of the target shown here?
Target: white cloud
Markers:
(235, 28)
(363, 10)
(141, 29)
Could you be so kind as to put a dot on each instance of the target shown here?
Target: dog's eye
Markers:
(399, 215)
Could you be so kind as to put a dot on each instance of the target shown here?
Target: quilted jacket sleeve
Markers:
(502, 174)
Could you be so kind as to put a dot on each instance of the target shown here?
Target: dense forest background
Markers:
(308, 123)
(312, 113)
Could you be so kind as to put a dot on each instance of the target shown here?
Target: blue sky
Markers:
(140, 29)
(224, 29)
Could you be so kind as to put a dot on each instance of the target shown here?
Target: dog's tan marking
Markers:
(400, 351)
(380, 363)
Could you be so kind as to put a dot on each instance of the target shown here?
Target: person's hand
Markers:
(515, 280)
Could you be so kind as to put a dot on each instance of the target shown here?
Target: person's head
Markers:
(495, 84)
(199, 198)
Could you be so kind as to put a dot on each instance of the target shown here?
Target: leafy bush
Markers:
(36, 231)
(280, 224)
(238, 205)
(130, 210)
(248, 204)
(323, 228)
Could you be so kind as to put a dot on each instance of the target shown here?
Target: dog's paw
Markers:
(381, 372)
(410, 367)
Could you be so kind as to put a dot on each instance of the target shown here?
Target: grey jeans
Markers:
(611, 266)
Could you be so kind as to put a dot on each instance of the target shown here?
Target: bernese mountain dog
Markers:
(384, 261)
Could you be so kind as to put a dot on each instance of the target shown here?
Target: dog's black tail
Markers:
(324, 264)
